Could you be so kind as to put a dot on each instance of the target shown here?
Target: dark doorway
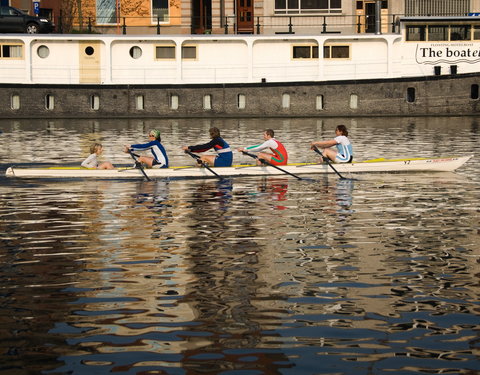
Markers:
(201, 16)
(245, 16)
(370, 17)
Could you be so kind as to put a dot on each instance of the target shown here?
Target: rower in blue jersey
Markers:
(159, 158)
(344, 151)
(224, 155)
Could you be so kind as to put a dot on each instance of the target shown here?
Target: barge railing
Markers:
(278, 24)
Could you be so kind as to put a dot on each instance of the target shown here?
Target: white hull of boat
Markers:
(375, 166)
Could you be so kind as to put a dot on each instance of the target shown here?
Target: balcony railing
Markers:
(278, 24)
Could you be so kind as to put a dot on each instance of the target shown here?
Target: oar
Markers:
(270, 164)
(134, 157)
(325, 159)
(203, 163)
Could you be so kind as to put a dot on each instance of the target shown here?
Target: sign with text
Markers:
(36, 7)
(436, 53)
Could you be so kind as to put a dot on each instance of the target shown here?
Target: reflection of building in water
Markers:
(227, 258)
(142, 269)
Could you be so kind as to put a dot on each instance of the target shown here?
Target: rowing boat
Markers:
(447, 164)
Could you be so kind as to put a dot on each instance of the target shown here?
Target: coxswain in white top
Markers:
(92, 160)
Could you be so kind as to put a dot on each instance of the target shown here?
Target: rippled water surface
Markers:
(378, 275)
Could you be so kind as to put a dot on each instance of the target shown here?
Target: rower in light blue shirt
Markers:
(344, 151)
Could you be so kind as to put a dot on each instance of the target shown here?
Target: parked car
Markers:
(13, 20)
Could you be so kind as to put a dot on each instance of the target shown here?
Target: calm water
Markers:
(243, 276)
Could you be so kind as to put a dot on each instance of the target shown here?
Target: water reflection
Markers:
(249, 275)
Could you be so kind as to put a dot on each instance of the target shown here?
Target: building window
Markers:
(43, 52)
(165, 52)
(474, 93)
(353, 101)
(319, 105)
(11, 51)
(189, 52)
(336, 52)
(436, 8)
(15, 101)
(49, 102)
(307, 6)
(160, 11)
(207, 101)
(305, 52)
(95, 102)
(286, 101)
(174, 101)
(140, 102)
(241, 101)
(411, 95)
(107, 12)
(135, 52)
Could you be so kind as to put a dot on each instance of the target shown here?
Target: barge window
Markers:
(11, 51)
(319, 103)
(165, 52)
(476, 32)
(173, 101)
(286, 101)
(89, 51)
(460, 32)
(474, 93)
(305, 52)
(95, 102)
(416, 34)
(207, 101)
(15, 101)
(411, 94)
(135, 52)
(189, 52)
(49, 102)
(139, 102)
(353, 101)
(437, 33)
(43, 52)
(336, 52)
(241, 101)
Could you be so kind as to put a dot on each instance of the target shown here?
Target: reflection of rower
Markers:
(344, 192)
(277, 187)
(157, 192)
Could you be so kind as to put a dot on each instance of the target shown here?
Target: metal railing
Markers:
(278, 24)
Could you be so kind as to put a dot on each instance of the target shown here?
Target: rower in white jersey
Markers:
(344, 151)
